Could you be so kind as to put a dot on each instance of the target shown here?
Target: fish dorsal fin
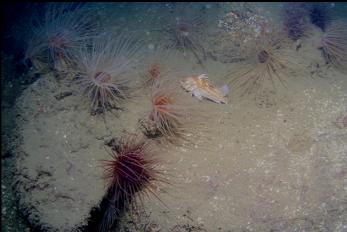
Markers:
(203, 77)
(225, 90)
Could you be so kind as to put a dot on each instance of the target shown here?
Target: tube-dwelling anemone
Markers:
(105, 68)
(185, 33)
(334, 44)
(154, 73)
(271, 66)
(295, 20)
(319, 14)
(167, 112)
(132, 173)
(53, 34)
(158, 66)
(167, 115)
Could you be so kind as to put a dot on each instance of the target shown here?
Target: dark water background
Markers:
(15, 78)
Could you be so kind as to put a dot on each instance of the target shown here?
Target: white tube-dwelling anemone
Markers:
(168, 112)
(104, 69)
(54, 30)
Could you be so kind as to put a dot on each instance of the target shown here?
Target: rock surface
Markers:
(275, 168)
(59, 173)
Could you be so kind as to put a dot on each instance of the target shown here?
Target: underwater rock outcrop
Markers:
(58, 172)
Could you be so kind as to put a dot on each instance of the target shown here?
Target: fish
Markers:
(200, 87)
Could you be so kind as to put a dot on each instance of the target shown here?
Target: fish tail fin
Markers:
(203, 76)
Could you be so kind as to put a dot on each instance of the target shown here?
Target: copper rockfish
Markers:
(200, 87)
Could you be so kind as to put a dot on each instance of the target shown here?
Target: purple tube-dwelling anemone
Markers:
(54, 31)
(320, 14)
(105, 68)
(295, 20)
(132, 173)
(334, 44)
(185, 33)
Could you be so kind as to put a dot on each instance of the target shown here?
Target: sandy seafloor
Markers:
(266, 166)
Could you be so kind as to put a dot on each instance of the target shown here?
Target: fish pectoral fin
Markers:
(203, 77)
(197, 95)
(225, 90)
